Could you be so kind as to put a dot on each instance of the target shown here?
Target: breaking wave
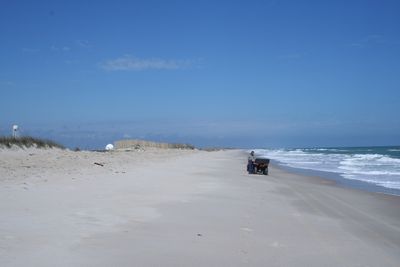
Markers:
(375, 165)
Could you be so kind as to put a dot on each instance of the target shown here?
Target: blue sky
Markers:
(229, 73)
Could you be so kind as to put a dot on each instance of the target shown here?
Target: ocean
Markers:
(375, 166)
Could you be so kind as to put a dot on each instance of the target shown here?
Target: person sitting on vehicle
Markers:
(250, 163)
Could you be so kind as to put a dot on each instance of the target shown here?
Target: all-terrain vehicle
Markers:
(260, 166)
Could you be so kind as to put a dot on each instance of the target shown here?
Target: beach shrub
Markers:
(182, 146)
(141, 144)
(28, 141)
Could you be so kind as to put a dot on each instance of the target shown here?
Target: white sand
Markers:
(183, 208)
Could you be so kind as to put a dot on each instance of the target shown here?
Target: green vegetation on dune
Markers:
(28, 141)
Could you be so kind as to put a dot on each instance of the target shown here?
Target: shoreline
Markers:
(184, 208)
(339, 180)
(372, 169)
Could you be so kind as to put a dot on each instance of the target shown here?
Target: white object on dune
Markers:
(15, 130)
(109, 147)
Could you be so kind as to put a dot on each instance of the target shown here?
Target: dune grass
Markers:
(28, 141)
(137, 144)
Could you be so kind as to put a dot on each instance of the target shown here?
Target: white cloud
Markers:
(373, 39)
(83, 43)
(7, 83)
(126, 135)
(60, 48)
(30, 50)
(71, 61)
(293, 56)
(130, 63)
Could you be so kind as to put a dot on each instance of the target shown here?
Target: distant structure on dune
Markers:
(15, 131)
(137, 144)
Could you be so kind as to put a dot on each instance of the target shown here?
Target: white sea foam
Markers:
(371, 167)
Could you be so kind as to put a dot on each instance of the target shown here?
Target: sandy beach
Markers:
(166, 207)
